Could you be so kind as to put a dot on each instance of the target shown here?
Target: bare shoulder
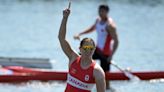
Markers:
(74, 56)
(98, 72)
(111, 23)
(111, 26)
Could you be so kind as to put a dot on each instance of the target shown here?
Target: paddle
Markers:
(126, 72)
(69, 5)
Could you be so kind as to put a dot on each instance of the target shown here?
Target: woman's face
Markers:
(87, 48)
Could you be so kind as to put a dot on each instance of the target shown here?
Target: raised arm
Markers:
(62, 37)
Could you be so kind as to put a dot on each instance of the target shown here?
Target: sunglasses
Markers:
(88, 47)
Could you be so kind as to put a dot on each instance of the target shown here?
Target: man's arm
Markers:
(111, 29)
(62, 37)
(90, 29)
(99, 79)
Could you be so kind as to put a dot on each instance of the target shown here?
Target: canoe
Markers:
(22, 74)
(26, 62)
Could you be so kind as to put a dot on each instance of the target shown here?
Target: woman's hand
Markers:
(66, 13)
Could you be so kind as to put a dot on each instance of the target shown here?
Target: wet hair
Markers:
(85, 40)
(105, 7)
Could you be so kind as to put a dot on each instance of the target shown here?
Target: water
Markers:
(29, 28)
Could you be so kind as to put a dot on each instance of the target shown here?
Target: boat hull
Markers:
(22, 74)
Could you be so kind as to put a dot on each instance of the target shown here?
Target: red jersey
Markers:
(78, 79)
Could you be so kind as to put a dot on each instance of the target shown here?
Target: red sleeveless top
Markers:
(78, 79)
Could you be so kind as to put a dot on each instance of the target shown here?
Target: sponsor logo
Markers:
(86, 78)
(77, 83)
(73, 71)
(102, 30)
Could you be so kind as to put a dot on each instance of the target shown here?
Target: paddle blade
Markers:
(131, 76)
(127, 73)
